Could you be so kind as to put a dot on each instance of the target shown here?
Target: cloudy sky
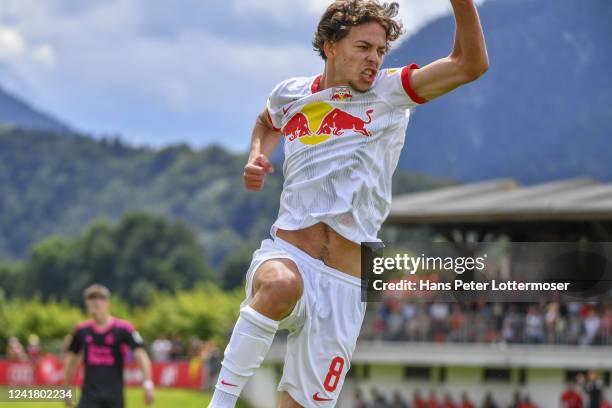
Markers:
(159, 72)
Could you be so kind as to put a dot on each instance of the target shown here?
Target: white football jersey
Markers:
(341, 149)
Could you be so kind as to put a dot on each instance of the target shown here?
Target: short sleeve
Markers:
(284, 95)
(394, 86)
(133, 339)
(275, 105)
(76, 344)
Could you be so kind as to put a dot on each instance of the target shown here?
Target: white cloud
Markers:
(15, 50)
(284, 12)
(414, 14)
(45, 55)
(11, 43)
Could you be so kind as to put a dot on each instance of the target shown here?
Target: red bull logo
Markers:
(319, 121)
(341, 93)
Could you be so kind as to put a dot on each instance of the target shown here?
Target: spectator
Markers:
(526, 403)
(212, 357)
(432, 401)
(33, 348)
(605, 328)
(554, 323)
(418, 401)
(574, 329)
(439, 315)
(359, 402)
(593, 388)
(177, 347)
(510, 326)
(591, 327)
(457, 324)
(395, 326)
(379, 327)
(378, 399)
(516, 400)
(534, 326)
(398, 401)
(571, 398)
(15, 350)
(448, 401)
(409, 311)
(465, 401)
(604, 402)
(489, 401)
(573, 308)
(551, 318)
(161, 349)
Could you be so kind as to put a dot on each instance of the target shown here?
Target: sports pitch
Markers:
(134, 399)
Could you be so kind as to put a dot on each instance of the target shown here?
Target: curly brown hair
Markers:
(341, 15)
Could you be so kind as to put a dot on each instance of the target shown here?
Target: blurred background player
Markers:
(104, 341)
(344, 131)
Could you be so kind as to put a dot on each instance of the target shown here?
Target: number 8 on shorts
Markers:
(334, 373)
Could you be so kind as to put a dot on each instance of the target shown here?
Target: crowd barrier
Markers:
(48, 371)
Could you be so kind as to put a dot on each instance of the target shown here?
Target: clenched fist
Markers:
(255, 172)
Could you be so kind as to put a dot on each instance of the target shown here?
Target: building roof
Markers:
(504, 200)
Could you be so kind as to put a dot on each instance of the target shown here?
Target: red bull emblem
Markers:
(319, 121)
(341, 93)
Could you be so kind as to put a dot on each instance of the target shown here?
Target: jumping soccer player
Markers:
(103, 341)
(344, 131)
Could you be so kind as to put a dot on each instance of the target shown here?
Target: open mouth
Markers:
(369, 74)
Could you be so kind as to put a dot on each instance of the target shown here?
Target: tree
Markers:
(142, 254)
(235, 267)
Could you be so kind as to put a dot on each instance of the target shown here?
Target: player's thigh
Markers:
(287, 402)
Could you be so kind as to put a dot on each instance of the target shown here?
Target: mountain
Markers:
(52, 183)
(543, 111)
(14, 111)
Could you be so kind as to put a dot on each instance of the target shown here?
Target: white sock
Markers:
(246, 350)
(222, 399)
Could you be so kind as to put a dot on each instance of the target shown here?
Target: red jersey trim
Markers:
(406, 84)
(271, 122)
(316, 84)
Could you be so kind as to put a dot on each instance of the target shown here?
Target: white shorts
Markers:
(323, 326)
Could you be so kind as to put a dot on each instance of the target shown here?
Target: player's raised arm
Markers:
(467, 61)
(263, 142)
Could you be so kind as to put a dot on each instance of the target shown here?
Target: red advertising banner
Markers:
(49, 371)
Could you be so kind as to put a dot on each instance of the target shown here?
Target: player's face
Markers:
(358, 56)
(97, 306)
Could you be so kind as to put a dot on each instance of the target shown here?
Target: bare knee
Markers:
(278, 286)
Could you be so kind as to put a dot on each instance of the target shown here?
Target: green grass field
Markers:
(134, 399)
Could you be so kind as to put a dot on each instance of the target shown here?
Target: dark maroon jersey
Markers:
(104, 352)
